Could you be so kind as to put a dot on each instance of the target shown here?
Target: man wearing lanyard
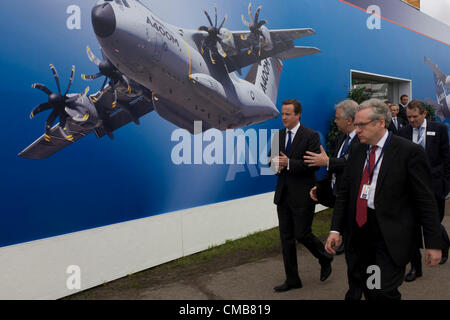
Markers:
(325, 190)
(433, 137)
(379, 224)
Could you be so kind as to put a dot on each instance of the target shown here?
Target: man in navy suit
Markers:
(433, 137)
(397, 122)
(325, 190)
(294, 206)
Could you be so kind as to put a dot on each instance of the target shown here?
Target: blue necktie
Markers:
(288, 145)
(419, 140)
(344, 147)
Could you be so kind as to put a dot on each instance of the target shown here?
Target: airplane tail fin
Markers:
(266, 75)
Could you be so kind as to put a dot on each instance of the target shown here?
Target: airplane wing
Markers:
(128, 109)
(276, 35)
(283, 47)
(283, 50)
(41, 148)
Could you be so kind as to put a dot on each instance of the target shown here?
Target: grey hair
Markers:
(379, 110)
(348, 108)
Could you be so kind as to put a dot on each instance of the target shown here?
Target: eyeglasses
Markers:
(363, 124)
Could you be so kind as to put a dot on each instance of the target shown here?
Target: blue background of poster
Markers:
(97, 182)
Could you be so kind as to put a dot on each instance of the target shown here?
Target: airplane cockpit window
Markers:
(119, 2)
(125, 2)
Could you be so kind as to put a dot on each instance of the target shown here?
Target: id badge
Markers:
(365, 192)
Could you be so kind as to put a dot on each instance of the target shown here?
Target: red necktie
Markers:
(361, 204)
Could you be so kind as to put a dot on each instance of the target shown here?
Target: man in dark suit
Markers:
(379, 224)
(397, 123)
(294, 206)
(325, 190)
(433, 137)
(402, 107)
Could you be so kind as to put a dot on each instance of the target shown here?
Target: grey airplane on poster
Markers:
(183, 75)
(442, 83)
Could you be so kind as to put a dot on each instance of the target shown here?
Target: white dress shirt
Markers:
(380, 145)
(415, 136)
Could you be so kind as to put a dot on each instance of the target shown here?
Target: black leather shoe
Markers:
(412, 275)
(340, 250)
(286, 287)
(325, 271)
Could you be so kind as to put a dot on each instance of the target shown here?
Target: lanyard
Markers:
(379, 158)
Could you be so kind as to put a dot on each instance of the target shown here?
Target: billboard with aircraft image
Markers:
(137, 107)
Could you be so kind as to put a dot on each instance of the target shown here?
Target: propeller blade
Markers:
(91, 77)
(42, 88)
(104, 84)
(92, 57)
(39, 108)
(250, 13)
(70, 81)
(209, 18)
(245, 21)
(55, 74)
(51, 118)
(103, 55)
(257, 13)
(215, 9)
(62, 120)
(224, 19)
(220, 50)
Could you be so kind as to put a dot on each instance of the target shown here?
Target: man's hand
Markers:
(432, 257)
(313, 194)
(316, 159)
(282, 161)
(333, 241)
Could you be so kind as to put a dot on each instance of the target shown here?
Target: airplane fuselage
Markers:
(186, 85)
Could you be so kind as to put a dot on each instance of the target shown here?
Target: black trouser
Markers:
(295, 225)
(367, 248)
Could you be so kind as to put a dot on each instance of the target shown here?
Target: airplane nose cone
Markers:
(103, 20)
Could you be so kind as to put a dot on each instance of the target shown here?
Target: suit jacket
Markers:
(300, 178)
(402, 112)
(336, 166)
(438, 153)
(401, 124)
(404, 168)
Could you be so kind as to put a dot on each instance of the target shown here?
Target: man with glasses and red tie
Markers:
(380, 224)
(433, 138)
(294, 206)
